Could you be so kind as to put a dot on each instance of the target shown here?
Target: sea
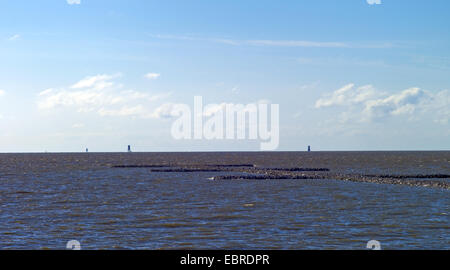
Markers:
(50, 199)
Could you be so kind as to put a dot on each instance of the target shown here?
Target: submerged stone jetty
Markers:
(140, 166)
(185, 165)
(416, 176)
(299, 169)
(255, 172)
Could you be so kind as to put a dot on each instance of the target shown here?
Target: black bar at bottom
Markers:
(208, 259)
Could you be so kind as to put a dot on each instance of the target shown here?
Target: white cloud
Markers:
(83, 100)
(196, 38)
(404, 102)
(347, 95)
(374, 2)
(14, 37)
(45, 92)
(167, 110)
(152, 76)
(275, 43)
(297, 43)
(97, 82)
(366, 103)
(439, 106)
(73, 2)
(101, 95)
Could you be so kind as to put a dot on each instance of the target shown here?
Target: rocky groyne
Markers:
(255, 172)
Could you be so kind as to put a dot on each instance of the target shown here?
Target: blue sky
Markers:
(348, 75)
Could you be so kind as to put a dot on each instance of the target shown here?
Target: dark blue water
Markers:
(49, 199)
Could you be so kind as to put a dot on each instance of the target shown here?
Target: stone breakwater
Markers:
(185, 166)
(254, 172)
(416, 176)
(299, 169)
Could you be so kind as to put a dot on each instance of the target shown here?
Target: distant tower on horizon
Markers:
(129, 148)
(309, 148)
(87, 150)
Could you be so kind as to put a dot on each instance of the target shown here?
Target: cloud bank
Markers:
(152, 76)
(102, 95)
(367, 104)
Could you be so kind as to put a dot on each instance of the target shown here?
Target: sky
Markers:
(104, 74)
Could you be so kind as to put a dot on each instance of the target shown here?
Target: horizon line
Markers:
(215, 151)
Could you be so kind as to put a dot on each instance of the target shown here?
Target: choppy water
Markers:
(49, 199)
